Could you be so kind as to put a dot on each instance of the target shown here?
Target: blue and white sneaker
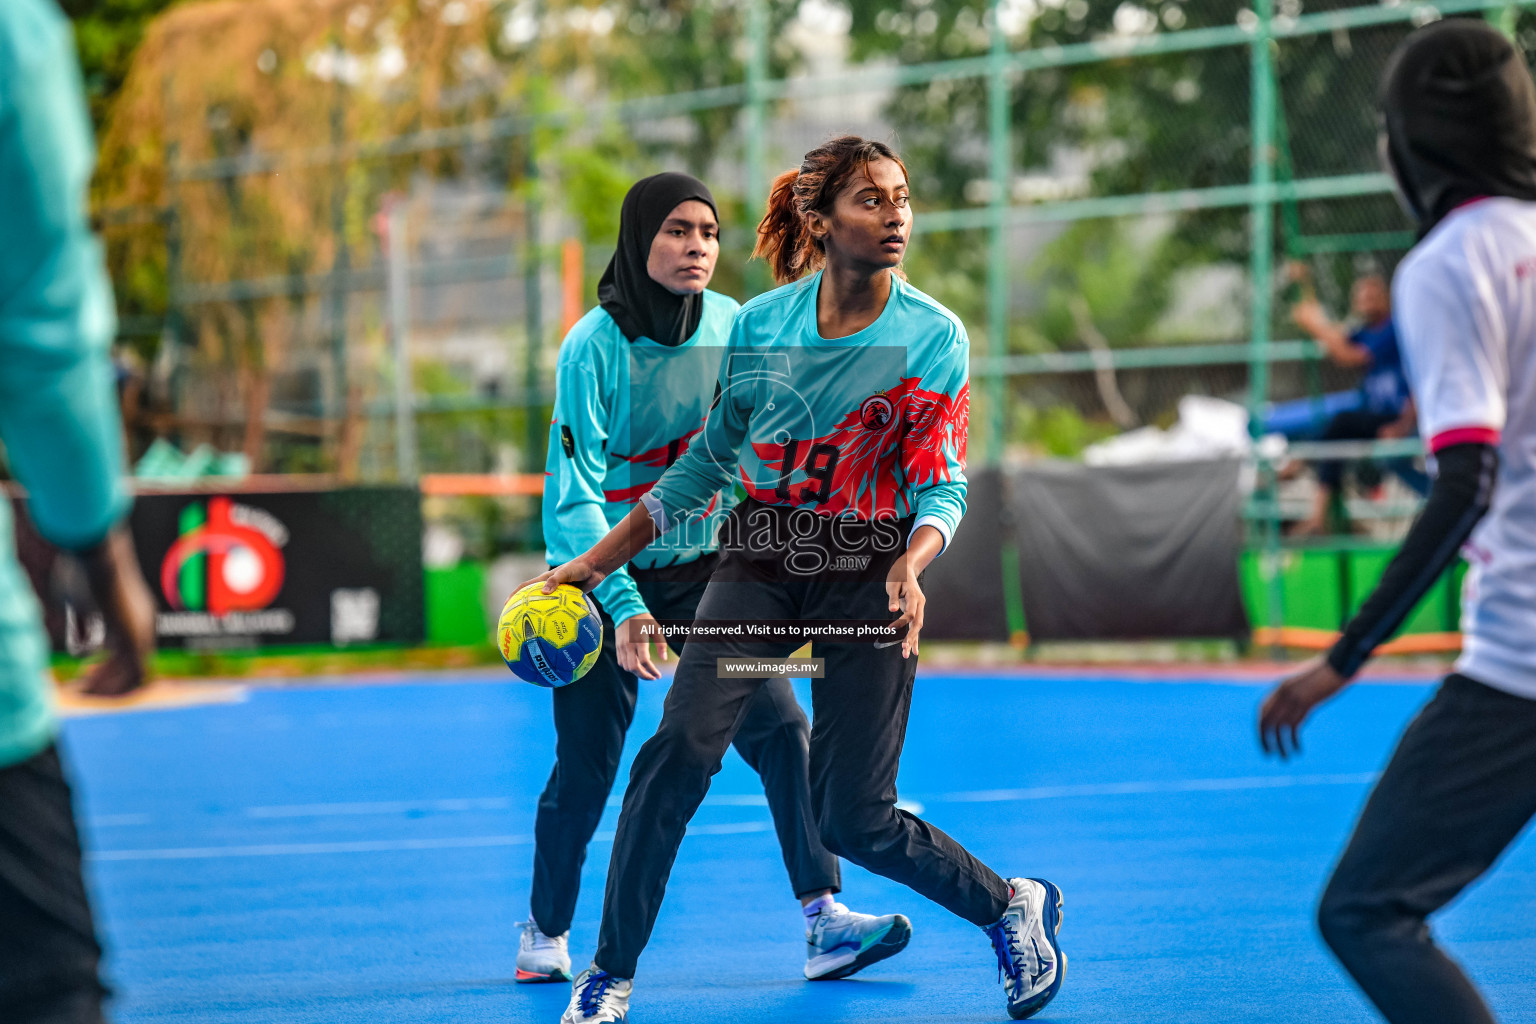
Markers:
(840, 942)
(542, 957)
(598, 997)
(1030, 962)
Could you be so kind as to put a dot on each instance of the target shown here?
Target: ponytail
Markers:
(783, 238)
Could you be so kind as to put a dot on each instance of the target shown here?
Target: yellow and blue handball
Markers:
(549, 639)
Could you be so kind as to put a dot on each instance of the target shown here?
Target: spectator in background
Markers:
(63, 441)
(1386, 408)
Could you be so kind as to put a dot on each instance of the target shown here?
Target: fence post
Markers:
(1262, 89)
(172, 333)
(997, 249)
(1261, 209)
(338, 287)
(533, 302)
(399, 281)
(756, 127)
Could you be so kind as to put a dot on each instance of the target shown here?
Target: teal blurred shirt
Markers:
(59, 419)
(868, 426)
(625, 411)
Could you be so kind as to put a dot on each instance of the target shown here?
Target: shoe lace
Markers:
(1005, 943)
(593, 990)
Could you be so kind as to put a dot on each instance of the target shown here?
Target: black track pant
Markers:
(860, 714)
(1362, 425)
(1460, 787)
(591, 717)
(48, 949)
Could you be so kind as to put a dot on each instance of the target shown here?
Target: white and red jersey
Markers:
(1465, 302)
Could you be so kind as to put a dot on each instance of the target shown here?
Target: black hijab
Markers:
(640, 306)
(1460, 112)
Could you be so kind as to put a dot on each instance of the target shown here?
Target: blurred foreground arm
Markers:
(1461, 496)
(59, 419)
(1460, 363)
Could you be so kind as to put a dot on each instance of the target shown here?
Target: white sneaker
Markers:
(597, 997)
(840, 942)
(542, 957)
(1029, 959)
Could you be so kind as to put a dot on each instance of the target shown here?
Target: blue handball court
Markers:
(333, 852)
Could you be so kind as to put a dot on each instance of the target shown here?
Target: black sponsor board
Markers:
(1130, 552)
(233, 569)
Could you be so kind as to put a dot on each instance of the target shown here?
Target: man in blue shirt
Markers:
(1385, 408)
(63, 442)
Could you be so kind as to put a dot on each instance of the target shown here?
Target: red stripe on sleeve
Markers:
(1463, 435)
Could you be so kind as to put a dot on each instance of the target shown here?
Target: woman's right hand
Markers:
(128, 608)
(632, 644)
(578, 572)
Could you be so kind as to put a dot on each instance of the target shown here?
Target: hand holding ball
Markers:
(549, 639)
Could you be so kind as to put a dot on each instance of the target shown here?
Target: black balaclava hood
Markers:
(640, 306)
(1460, 113)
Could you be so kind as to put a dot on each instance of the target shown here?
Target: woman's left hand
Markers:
(906, 596)
(1289, 704)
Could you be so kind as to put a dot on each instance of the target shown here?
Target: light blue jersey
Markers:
(625, 411)
(871, 426)
(59, 419)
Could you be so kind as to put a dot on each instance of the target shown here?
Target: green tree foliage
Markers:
(302, 75)
(107, 32)
(1148, 124)
(1124, 282)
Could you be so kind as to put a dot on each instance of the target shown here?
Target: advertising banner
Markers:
(319, 567)
(237, 569)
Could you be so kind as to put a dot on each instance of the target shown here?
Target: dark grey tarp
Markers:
(1128, 552)
(964, 586)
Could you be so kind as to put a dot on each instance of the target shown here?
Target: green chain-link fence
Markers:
(1099, 187)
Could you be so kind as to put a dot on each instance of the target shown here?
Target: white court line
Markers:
(383, 845)
(391, 807)
(759, 800)
(306, 849)
(378, 807)
(743, 827)
(986, 796)
(114, 820)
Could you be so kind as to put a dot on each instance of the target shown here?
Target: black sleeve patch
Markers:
(567, 442)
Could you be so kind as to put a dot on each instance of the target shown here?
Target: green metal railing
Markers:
(1259, 29)
(1270, 188)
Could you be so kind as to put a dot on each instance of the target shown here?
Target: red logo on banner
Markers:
(242, 570)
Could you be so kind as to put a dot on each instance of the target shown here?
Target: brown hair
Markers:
(782, 236)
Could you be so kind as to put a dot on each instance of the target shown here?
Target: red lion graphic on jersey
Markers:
(902, 438)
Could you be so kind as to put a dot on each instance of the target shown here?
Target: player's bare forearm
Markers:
(622, 543)
(626, 540)
(924, 547)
